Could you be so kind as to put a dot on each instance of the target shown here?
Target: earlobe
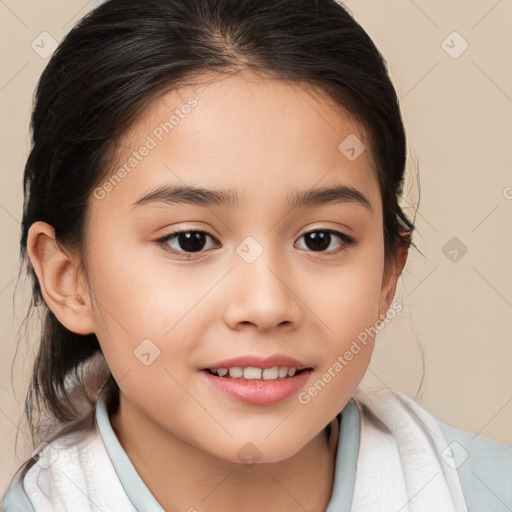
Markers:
(58, 276)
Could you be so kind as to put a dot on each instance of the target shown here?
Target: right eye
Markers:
(191, 242)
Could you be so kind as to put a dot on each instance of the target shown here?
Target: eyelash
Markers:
(162, 242)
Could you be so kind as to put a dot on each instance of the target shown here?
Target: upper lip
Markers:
(260, 362)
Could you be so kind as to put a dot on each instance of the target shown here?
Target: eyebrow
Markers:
(181, 194)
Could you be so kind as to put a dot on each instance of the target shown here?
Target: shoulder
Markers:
(484, 466)
(36, 483)
(15, 498)
(68, 473)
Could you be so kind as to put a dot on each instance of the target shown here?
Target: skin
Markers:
(262, 138)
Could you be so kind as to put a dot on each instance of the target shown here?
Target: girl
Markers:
(213, 231)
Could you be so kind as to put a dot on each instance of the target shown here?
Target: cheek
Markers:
(346, 297)
(348, 311)
(145, 311)
(347, 304)
(144, 294)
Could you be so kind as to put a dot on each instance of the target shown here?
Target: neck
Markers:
(182, 477)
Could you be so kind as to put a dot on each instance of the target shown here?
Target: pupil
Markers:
(318, 240)
(191, 241)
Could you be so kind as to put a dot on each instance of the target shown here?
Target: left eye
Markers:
(320, 239)
(194, 241)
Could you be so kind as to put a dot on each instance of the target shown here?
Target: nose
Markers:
(263, 293)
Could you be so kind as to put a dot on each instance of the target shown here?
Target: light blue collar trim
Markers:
(346, 460)
(132, 483)
(143, 500)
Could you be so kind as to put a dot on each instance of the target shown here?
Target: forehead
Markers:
(257, 136)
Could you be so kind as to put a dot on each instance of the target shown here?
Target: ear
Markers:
(392, 272)
(58, 277)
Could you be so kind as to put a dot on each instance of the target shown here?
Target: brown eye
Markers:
(320, 240)
(186, 242)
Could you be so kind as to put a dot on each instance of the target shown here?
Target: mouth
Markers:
(256, 386)
(276, 373)
(253, 366)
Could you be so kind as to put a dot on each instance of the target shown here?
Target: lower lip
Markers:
(255, 391)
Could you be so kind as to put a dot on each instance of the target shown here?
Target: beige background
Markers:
(457, 111)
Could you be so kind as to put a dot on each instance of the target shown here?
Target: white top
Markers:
(392, 456)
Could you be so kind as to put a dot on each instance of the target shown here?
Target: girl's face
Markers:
(266, 274)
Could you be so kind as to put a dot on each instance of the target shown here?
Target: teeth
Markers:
(235, 372)
(252, 373)
(270, 373)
